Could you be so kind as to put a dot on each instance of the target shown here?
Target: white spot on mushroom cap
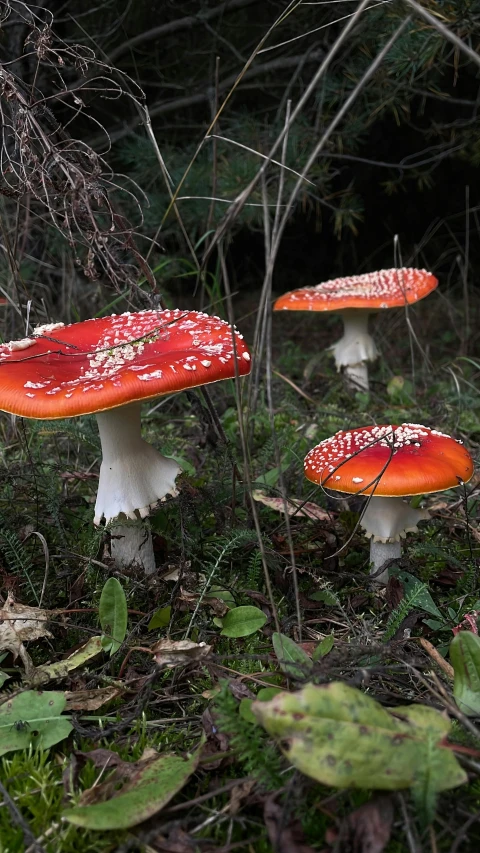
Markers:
(150, 345)
(145, 377)
(24, 343)
(398, 285)
(46, 328)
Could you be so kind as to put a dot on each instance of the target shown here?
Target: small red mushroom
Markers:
(388, 463)
(108, 367)
(355, 298)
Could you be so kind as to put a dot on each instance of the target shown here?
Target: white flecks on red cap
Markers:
(116, 360)
(382, 288)
(389, 460)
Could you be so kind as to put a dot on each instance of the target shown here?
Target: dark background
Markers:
(404, 161)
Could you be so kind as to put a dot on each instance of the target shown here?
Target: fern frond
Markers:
(258, 756)
(410, 602)
(17, 557)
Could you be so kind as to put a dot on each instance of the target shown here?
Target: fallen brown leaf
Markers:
(217, 741)
(284, 837)
(368, 828)
(238, 794)
(19, 625)
(90, 700)
(192, 599)
(177, 842)
(240, 690)
(307, 510)
(23, 623)
(393, 593)
(171, 653)
(101, 758)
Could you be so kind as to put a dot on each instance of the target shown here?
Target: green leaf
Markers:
(400, 390)
(160, 619)
(323, 648)
(4, 676)
(245, 711)
(341, 737)
(33, 719)
(263, 695)
(465, 658)
(422, 598)
(434, 624)
(185, 465)
(423, 789)
(325, 595)
(242, 621)
(223, 594)
(113, 615)
(61, 669)
(293, 660)
(148, 791)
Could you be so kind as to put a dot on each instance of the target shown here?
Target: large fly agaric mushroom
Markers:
(389, 463)
(355, 298)
(107, 367)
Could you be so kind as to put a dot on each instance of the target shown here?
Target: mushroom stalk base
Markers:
(355, 348)
(131, 546)
(356, 376)
(133, 478)
(380, 552)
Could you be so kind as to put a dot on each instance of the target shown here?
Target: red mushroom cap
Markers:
(389, 461)
(372, 291)
(62, 371)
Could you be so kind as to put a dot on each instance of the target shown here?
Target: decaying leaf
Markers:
(23, 623)
(20, 624)
(240, 793)
(295, 506)
(368, 828)
(177, 842)
(192, 600)
(341, 737)
(48, 672)
(90, 700)
(171, 653)
(147, 789)
(285, 836)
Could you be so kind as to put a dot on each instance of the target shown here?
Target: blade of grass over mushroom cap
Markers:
(388, 462)
(354, 298)
(104, 366)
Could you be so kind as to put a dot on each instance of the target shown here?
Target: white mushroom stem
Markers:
(355, 348)
(131, 546)
(133, 478)
(357, 376)
(387, 521)
(380, 552)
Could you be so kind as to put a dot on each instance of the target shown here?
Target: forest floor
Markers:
(231, 788)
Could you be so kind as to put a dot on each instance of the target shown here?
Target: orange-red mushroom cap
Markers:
(389, 461)
(370, 291)
(63, 371)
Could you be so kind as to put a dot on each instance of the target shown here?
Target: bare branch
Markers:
(176, 26)
(205, 94)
